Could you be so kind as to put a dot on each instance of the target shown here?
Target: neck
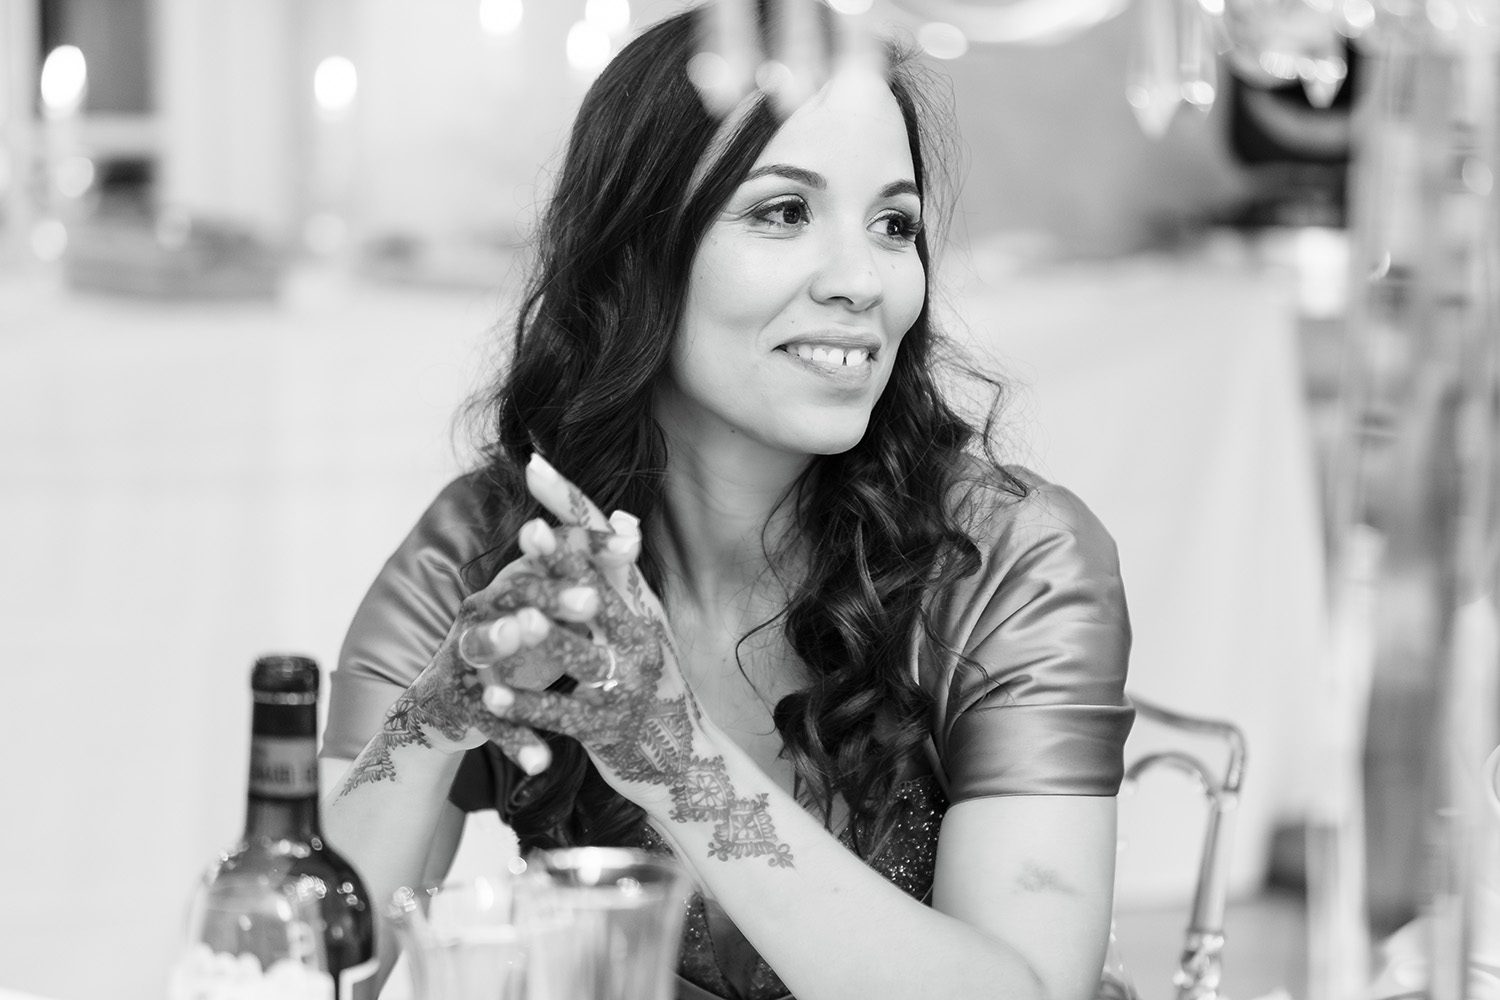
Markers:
(724, 510)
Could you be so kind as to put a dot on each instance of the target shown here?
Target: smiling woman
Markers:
(803, 286)
(864, 680)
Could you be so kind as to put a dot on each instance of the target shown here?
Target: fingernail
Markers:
(625, 523)
(622, 545)
(580, 601)
(471, 647)
(505, 636)
(533, 759)
(531, 625)
(498, 699)
(541, 468)
(536, 538)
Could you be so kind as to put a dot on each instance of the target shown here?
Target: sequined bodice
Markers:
(717, 959)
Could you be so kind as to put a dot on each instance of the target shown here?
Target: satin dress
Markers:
(1027, 683)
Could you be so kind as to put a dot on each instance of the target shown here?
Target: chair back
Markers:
(1212, 753)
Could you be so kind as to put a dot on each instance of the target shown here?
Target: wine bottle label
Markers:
(283, 767)
(358, 981)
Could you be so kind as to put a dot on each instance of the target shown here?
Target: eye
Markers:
(784, 213)
(898, 226)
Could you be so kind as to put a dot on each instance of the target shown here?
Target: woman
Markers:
(843, 664)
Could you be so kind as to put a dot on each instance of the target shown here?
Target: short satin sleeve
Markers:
(403, 618)
(1035, 703)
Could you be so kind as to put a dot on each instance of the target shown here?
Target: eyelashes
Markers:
(790, 213)
(901, 226)
(782, 213)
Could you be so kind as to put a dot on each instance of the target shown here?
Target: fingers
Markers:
(614, 542)
(623, 546)
(561, 497)
(536, 539)
(564, 550)
(527, 650)
(568, 594)
(574, 552)
(518, 742)
(491, 641)
(558, 713)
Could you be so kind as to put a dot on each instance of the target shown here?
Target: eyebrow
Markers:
(818, 182)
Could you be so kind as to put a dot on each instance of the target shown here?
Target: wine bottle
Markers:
(283, 842)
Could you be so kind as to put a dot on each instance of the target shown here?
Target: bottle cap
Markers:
(285, 679)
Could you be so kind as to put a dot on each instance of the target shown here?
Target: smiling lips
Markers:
(841, 356)
(828, 355)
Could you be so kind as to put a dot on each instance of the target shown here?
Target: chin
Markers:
(830, 439)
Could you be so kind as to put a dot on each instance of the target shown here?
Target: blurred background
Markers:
(254, 254)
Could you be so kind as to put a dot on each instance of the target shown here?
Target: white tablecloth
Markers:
(185, 486)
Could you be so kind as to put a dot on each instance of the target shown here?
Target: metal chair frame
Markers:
(1200, 965)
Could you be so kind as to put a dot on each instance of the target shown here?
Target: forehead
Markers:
(854, 122)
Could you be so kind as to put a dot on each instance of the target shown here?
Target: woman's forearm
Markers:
(389, 829)
(831, 926)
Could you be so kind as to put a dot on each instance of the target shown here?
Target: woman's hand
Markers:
(443, 709)
(632, 709)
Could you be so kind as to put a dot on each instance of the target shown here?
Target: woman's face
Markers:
(804, 284)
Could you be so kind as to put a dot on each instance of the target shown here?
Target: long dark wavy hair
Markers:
(645, 172)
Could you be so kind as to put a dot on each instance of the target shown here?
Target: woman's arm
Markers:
(443, 845)
(389, 810)
(403, 834)
(1021, 900)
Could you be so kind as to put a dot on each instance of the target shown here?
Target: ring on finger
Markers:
(484, 644)
(610, 680)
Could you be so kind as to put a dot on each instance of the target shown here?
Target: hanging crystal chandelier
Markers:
(1177, 46)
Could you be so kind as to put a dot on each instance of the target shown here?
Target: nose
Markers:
(848, 275)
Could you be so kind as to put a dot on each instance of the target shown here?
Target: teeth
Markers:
(828, 355)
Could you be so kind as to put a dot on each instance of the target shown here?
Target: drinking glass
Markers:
(252, 936)
(489, 937)
(628, 907)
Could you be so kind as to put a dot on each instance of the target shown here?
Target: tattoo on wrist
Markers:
(447, 708)
(654, 743)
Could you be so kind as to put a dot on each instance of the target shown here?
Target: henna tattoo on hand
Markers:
(445, 704)
(646, 737)
(636, 731)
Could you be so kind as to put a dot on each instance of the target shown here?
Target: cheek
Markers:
(907, 293)
(727, 286)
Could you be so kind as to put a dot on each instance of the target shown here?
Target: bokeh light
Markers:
(500, 17)
(610, 16)
(941, 40)
(75, 175)
(335, 83)
(588, 47)
(65, 78)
